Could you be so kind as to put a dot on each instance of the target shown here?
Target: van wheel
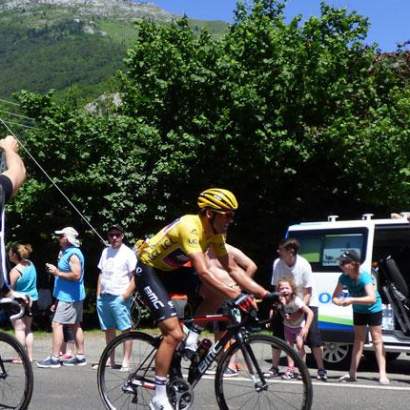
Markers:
(390, 356)
(337, 355)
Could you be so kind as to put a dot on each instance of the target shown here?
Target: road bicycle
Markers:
(243, 343)
(16, 373)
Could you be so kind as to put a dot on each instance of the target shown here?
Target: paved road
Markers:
(76, 388)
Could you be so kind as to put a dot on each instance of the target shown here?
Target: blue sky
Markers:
(390, 19)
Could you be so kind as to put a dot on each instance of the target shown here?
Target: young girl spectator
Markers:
(23, 278)
(367, 311)
(297, 318)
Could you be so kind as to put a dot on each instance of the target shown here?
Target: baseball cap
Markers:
(71, 234)
(349, 256)
(115, 227)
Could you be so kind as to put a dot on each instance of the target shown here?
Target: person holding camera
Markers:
(11, 179)
(69, 291)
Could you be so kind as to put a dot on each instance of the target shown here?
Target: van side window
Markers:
(322, 248)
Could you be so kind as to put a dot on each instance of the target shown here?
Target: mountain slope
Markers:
(60, 44)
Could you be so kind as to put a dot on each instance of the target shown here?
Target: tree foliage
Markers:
(299, 119)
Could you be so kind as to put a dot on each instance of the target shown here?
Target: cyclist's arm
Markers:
(205, 275)
(244, 261)
(241, 278)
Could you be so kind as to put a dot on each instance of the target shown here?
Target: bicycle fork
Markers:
(257, 376)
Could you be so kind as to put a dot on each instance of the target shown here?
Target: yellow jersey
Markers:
(170, 248)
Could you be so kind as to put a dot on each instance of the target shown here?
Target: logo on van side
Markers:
(325, 297)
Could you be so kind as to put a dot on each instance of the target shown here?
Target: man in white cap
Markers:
(70, 293)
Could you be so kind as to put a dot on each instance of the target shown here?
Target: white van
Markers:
(374, 239)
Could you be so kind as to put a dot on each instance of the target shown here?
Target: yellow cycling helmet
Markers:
(217, 198)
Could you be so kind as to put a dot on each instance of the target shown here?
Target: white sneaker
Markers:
(160, 404)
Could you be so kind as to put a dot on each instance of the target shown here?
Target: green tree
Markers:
(299, 119)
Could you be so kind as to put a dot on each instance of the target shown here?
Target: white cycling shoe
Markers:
(160, 404)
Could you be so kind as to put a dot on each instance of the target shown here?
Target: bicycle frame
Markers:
(236, 331)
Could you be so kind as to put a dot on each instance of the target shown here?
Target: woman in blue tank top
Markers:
(23, 279)
(367, 311)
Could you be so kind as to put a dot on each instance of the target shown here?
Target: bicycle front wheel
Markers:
(253, 387)
(126, 371)
(16, 374)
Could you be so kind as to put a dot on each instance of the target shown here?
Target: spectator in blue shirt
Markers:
(367, 311)
(70, 293)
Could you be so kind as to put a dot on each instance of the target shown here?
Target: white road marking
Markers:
(321, 384)
(360, 386)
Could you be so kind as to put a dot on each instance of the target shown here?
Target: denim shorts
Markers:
(113, 312)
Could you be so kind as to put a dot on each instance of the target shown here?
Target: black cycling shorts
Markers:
(370, 319)
(155, 285)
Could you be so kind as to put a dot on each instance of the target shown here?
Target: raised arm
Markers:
(240, 277)
(244, 261)
(16, 171)
(200, 266)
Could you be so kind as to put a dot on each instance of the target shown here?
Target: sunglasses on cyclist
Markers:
(226, 214)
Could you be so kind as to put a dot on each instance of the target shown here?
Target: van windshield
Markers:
(322, 248)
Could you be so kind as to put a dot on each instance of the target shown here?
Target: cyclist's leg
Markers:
(156, 298)
(172, 336)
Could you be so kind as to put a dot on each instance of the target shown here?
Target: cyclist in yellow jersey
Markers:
(170, 248)
(178, 246)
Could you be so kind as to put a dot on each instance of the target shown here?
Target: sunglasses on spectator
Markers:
(114, 234)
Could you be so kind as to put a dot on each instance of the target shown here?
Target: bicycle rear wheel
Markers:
(136, 312)
(123, 387)
(16, 374)
(252, 388)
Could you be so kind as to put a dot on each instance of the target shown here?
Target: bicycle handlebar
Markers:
(16, 303)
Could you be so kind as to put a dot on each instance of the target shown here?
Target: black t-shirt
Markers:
(5, 182)
(7, 188)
